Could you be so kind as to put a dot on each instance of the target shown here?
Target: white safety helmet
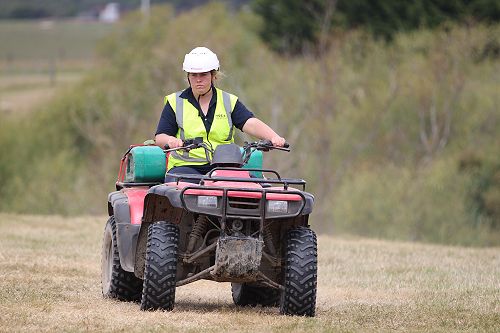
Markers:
(200, 60)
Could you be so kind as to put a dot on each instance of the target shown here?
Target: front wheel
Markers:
(160, 270)
(115, 282)
(301, 272)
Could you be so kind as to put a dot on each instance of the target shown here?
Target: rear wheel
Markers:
(160, 267)
(115, 282)
(245, 294)
(301, 269)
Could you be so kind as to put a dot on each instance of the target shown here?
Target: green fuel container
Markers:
(255, 162)
(146, 164)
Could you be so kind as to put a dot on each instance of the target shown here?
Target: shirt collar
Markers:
(188, 94)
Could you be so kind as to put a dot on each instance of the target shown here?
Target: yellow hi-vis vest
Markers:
(191, 126)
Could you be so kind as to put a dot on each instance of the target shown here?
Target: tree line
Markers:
(295, 26)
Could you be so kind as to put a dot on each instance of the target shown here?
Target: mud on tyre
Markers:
(116, 282)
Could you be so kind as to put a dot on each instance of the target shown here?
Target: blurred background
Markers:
(391, 107)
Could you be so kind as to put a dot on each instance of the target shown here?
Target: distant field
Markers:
(36, 41)
(36, 57)
(21, 93)
(49, 281)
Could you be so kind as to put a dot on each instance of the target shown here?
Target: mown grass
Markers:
(49, 281)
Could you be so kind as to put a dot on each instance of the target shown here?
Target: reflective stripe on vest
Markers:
(187, 115)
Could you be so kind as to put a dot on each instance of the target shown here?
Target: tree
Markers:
(292, 26)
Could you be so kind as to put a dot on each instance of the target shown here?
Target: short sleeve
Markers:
(168, 123)
(240, 115)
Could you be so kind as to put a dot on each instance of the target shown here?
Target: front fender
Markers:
(127, 207)
(162, 203)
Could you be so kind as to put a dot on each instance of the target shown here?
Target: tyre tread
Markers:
(161, 267)
(299, 296)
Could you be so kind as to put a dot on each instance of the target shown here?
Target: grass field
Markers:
(49, 281)
(22, 93)
(36, 40)
(38, 57)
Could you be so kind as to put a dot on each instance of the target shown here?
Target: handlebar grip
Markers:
(265, 143)
(194, 141)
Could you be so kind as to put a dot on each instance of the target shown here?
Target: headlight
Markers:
(277, 206)
(206, 201)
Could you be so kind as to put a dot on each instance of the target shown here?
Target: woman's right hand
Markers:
(163, 140)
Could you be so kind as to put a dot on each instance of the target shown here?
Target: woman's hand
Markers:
(174, 142)
(278, 141)
(163, 140)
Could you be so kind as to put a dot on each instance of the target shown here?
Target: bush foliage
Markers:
(396, 140)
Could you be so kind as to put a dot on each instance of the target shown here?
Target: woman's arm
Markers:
(257, 128)
(167, 127)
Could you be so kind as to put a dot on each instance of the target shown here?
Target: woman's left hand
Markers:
(278, 141)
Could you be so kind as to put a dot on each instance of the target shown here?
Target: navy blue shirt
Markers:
(168, 123)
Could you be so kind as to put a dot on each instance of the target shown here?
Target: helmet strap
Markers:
(206, 92)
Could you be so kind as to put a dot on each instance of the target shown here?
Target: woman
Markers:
(202, 110)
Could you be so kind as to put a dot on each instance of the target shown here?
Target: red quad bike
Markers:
(230, 225)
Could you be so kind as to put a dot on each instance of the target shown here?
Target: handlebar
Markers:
(248, 147)
(189, 144)
(265, 145)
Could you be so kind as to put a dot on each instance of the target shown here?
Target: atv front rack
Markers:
(242, 203)
(201, 179)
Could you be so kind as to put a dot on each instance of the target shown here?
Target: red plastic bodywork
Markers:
(236, 184)
(135, 197)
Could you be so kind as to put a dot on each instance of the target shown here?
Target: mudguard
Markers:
(171, 192)
(308, 207)
(163, 203)
(127, 207)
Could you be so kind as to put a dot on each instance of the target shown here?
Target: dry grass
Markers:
(22, 93)
(49, 281)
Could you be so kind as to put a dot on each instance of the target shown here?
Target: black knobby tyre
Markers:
(301, 269)
(160, 270)
(245, 294)
(116, 282)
